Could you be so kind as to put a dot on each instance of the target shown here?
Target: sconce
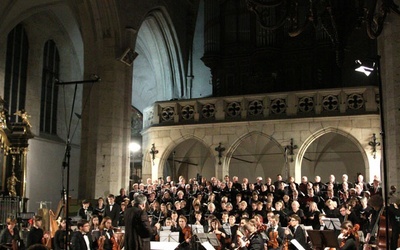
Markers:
(220, 149)
(373, 143)
(289, 150)
(153, 152)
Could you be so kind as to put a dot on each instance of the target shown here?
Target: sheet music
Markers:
(297, 244)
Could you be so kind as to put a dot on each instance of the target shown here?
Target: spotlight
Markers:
(366, 67)
(134, 147)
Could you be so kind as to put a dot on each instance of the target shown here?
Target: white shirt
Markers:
(87, 241)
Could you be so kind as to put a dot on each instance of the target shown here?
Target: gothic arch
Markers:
(269, 157)
(158, 47)
(312, 138)
(201, 161)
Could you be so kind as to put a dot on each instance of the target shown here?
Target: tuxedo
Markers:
(298, 234)
(78, 241)
(113, 212)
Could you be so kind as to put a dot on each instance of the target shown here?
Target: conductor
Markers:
(138, 230)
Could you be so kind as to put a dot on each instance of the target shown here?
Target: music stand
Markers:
(168, 236)
(332, 223)
(323, 238)
(211, 238)
(197, 229)
(166, 228)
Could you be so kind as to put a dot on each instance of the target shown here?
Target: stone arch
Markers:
(277, 158)
(201, 161)
(312, 138)
(159, 50)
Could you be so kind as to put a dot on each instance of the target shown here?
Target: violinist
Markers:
(185, 233)
(347, 237)
(106, 233)
(275, 234)
(295, 231)
(261, 227)
(216, 228)
(253, 240)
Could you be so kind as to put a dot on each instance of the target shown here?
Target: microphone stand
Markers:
(67, 154)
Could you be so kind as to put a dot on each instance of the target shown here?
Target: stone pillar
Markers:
(389, 49)
(106, 130)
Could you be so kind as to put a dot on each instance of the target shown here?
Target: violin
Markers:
(273, 239)
(187, 233)
(344, 239)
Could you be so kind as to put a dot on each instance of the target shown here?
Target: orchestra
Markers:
(271, 215)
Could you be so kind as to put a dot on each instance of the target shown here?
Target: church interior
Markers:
(205, 88)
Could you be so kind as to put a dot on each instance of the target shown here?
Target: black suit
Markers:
(113, 213)
(35, 236)
(256, 242)
(78, 241)
(138, 230)
(299, 235)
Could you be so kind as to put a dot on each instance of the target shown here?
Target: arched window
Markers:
(49, 97)
(16, 70)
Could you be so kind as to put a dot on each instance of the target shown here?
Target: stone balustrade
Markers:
(312, 103)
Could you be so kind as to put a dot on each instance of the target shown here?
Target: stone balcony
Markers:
(286, 105)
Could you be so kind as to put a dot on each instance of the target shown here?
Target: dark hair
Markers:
(38, 247)
(296, 217)
(81, 223)
(347, 225)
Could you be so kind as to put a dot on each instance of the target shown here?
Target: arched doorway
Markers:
(189, 158)
(257, 155)
(333, 153)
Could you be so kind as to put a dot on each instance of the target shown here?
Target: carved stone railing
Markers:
(313, 103)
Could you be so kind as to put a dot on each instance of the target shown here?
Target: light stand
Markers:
(367, 70)
(67, 155)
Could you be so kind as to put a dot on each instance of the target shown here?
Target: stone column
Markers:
(106, 130)
(389, 49)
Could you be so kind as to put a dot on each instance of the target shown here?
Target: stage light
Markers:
(134, 147)
(366, 67)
